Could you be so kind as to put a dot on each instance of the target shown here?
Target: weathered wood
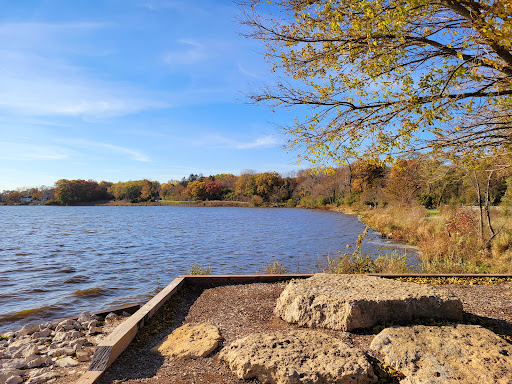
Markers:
(115, 343)
(241, 279)
(89, 377)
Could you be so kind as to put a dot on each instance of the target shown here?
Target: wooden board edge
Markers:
(114, 344)
(89, 377)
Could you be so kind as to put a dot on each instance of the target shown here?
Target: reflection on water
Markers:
(58, 261)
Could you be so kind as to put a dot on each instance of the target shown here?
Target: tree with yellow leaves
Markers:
(376, 78)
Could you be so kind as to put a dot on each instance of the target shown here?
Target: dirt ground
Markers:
(239, 310)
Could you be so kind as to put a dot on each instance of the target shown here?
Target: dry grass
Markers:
(449, 240)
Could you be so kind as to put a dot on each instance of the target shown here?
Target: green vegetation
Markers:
(197, 269)
(357, 262)
(275, 268)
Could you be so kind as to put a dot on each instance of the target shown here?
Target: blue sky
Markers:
(122, 90)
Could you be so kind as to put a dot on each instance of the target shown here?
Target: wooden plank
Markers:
(115, 343)
(89, 377)
(241, 279)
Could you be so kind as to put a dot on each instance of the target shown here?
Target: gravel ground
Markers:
(239, 310)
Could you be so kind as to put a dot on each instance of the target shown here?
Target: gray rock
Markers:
(42, 333)
(6, 374)
(299, 356)
(66, 362)
(448, 354)
(41, 378)
(28, 329)
(83, 356)
(94, 330)
(61, 336)
(111, 317)
(348, 302)
(14, 380)
(75, 334)
(37, 361)
(30, 350)
(89, 324)
(86, 316)
(77, 343)
(13, 364)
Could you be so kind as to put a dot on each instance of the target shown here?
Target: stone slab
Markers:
(347, 302)
(190, 341)
(448, 354)
(298, 356)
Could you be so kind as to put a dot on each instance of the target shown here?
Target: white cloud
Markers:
(155, 5)
(261, 142)
(266, 141)
(193, 54)
(89, 145)
(33, 85)
(30, 152)
(246, 72)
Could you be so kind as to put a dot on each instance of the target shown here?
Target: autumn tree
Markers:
(404, 182)
(377, 78)
(245, 185)
(266, 183)
(197, 190)
(214, 190)
(78, 191)
(12, 197)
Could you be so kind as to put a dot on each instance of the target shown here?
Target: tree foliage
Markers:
(375, 78)
(68, 192)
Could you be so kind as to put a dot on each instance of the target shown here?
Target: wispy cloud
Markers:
(194, 53)
(155, 5)
(34, 85)
(216, 141)
(96, 145)
(31, 152)
(261, 142)
(246, 72)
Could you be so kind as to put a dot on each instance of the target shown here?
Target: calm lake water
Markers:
(59, 261)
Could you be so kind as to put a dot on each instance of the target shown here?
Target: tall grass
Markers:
(449, 240)
(357, 262)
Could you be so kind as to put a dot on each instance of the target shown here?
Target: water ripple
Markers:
(87, 258)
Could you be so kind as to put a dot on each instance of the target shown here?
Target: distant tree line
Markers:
(419, 180)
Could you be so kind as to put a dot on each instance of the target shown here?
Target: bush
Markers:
(257, 201)
(275, 268)
(197, 269)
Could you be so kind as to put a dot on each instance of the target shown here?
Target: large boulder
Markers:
(449, 354)
(299, 356)
(348, 302)
(190, 341)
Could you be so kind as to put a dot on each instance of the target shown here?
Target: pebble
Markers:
(29, 355)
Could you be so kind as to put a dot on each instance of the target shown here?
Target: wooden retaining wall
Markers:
(115, 343)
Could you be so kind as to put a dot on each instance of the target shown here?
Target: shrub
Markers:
(197, 269)
(275, 268)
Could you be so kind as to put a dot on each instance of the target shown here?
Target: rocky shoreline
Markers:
(43, 353)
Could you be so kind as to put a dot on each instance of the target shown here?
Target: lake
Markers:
(60, 261)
